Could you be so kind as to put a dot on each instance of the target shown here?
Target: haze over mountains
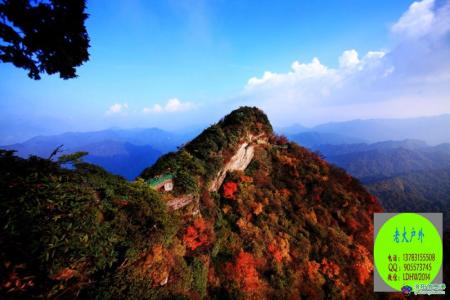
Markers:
(432, 130)
(125, 152)
(250, 216)
(396, 159)
(368, 162)
(406, 175)
(115, 148)
(109, 192)
(249, 210)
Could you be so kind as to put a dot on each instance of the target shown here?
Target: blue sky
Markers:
(176, 64)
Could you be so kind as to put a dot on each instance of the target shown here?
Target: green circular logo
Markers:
(407, 251)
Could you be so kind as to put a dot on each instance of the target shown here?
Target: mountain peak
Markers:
(251, 118)
(228, 140)
(238, 212)
(264, 200)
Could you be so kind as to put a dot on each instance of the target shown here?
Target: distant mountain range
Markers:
(358, 146)
(433, 130)
(257, 216)
(420, 191)
(405, 175)
(250, 216)
(121, 158)
(312, 139)
(125, 152)
(370, 162)
(404, 162)
(159, 139)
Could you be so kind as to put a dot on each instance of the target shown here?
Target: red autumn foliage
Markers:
(245, 179)
(363, 271)
(197, 234)
(229, 188)
(363, 266)
(312, 269)
(285, 193)
(344, 288)
(64, 274)
(244, 272)
(301, 189)
(15, 281)
(329, 268)
(373, 199)
(121, 202)
(317, 194)
(282, 140)
(279, 248)
(278, 140)
(276, 253)
(352, 224)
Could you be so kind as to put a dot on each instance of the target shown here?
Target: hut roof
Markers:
(159, 179)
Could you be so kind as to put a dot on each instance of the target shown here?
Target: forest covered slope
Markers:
(260, 217)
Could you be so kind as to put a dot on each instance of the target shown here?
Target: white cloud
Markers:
(117, 108)
(417, 20)
(172, 105)
(176, 105)
(349, 59)
(310, 83)
(300, 71)
(423, 19)
(414, 73)
(156, 109)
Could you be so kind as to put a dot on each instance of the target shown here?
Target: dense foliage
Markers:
(289, 226)
(405, 175)
(44, 36)
(204, 156)
(63, 230)
(419, 191)
(293, 226)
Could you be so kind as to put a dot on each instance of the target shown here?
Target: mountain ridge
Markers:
(273, 170)
(375, 130)
(281, 223)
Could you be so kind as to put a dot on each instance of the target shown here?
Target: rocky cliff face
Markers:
(239, 161)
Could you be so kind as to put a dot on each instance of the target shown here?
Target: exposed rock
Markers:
(180, 202)
(164, 282)
(239, 161)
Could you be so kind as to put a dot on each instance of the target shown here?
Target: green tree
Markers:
(44, 36)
